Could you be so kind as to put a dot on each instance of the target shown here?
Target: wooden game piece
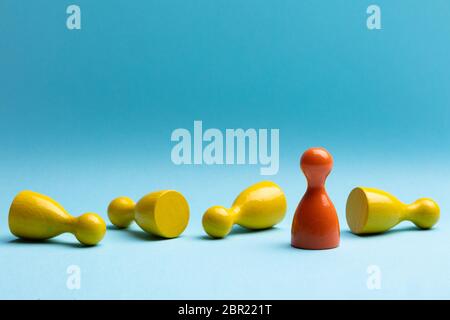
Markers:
(163, 213)
(35, 216)
(315, 224)
(260, 206)
(372, 210)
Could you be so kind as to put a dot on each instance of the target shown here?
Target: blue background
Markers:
(86, 115)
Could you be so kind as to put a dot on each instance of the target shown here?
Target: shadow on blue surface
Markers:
(138, 234)
(236, 231)
(48, 242)
(349, 235)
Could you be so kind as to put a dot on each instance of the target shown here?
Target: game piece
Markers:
(162, 213)
(260, 206)
(35, 216)
(372, 210)
(315, 224)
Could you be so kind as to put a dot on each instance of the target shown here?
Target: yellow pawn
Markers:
(371, 210)
(260, 206)
(35, 216)
(162, 213)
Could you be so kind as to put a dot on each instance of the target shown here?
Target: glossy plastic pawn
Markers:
(34, 216)
(260, 206)
(315, 225)
(162, 213)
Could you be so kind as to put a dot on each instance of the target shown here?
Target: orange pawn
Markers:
(315, 225)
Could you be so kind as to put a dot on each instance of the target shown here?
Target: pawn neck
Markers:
(424, 213)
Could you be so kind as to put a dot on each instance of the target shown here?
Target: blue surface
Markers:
(86, 116)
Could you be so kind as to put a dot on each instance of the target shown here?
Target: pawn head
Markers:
(121, 212)
(427, 213)
(90, 229)
(217, 222)
(316, 164)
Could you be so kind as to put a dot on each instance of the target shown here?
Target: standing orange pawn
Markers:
(315, 225)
